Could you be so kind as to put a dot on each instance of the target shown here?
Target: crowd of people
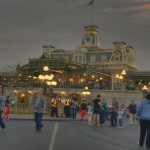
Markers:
(96, 110)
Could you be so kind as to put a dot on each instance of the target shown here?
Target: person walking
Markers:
(143, 113)
(132, 111)
(2, 106)
(39, 109)
(7, 109)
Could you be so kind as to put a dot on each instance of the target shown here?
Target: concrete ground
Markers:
(66, 134)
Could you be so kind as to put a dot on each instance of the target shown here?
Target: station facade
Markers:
(88, 65)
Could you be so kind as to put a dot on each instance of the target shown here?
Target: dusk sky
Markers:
(27, 25)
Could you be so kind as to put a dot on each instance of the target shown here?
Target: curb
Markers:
(51, 119)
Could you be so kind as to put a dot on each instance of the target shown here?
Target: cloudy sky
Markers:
(27, 25)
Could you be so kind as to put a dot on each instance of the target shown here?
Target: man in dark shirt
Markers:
(97, 106)
(132, 111)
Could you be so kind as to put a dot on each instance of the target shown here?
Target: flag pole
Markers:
(91, 3)
(93, 13)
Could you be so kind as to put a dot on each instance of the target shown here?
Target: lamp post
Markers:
(144, 90)
(120, 78)
(86, 92)
(47, 80)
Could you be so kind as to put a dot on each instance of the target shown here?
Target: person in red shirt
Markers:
(7, 109)
(83, 110)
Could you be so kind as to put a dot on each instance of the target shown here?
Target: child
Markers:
(90, 113)
(113, 116)
(120, 116)
(7, 109)
(83, 110)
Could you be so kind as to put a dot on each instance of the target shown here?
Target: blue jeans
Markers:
(113, 118)
(102, 116)
(1, 120)
(72, 113)
(145, 133)
(38, 120)
(120, 122)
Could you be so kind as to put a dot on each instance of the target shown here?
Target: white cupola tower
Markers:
(91, 37)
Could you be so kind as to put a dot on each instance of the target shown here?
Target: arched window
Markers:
(116, 56)
(93, 58)
(104, 58)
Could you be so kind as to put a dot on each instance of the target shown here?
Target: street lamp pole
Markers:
(144, 90)
(47, 79)
(119, 78)
(86, 92)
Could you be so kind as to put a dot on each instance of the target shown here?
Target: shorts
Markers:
(83, 113)
(96, 111)
(7, 110)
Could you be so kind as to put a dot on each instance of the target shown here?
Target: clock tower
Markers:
(91, 37)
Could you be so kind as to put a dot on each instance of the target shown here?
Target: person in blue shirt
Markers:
(143, 113)
(39, 109)
(2, 106)
(113, 113)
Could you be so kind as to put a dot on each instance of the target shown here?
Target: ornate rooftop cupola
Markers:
(91, 37)
(47, 50)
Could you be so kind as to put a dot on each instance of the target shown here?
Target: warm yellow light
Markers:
(121, 77)
(22, 95)
(46, 77)
(71, 80)
(82, 80)
(86, 88)
(41, 77)
(30, 92)
(86, 93)
(144, 87)
(123, 72)
(51, 83)
(52, 76)
(45, 68)
(117, 76)
(54, 83)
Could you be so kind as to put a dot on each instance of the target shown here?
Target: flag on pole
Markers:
(91, 2)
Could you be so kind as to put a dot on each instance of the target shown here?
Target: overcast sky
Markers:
(27, 25)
